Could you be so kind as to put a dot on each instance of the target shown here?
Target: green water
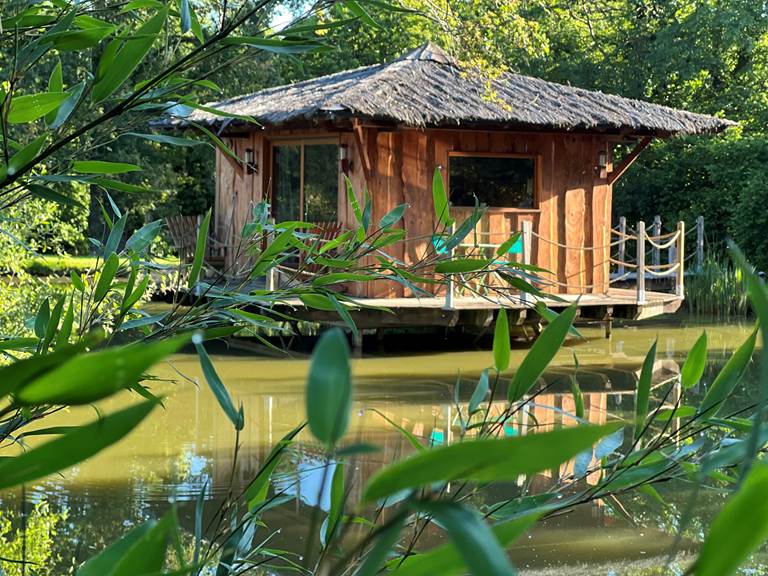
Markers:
(190, 443)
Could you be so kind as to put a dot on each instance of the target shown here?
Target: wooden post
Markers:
(641, 262)
(271, 281)
(680, 278)
(656, 231)
(449, 283)
(622, 243)
(699, 243)
(525, 298)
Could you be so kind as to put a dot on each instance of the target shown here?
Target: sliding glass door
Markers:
(305, 180)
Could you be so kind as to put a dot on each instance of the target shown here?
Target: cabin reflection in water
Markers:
(608, 395)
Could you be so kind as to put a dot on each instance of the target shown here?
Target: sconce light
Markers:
(346, 165)
(602, 164)
(250, 162)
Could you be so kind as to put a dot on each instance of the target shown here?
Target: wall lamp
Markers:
(250, 162)
(346, 163)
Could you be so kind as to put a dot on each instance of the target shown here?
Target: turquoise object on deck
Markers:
(437, 438)
(440, 244)
(509, 430)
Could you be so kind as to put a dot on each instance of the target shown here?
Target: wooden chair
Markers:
(183, 230)
(324, 231)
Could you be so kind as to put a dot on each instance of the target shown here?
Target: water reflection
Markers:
(190, 443)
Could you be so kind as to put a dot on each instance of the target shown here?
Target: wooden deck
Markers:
(480, 312)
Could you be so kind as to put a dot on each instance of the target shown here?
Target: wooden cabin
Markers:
(530, 150)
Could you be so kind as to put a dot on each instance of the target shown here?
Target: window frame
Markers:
(301, 142)
(536, 177)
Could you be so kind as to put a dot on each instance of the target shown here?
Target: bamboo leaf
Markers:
(480, 393)
(257, 490)
(30, 107)
(141, 551)
(501, 344)
(730, 375)
(393, 216)
(382, 546)
(197, 262)
(52, 195)
(186, 16)
(62, 339)
(693, 367)
(356, 9)
(739, 528)
(136, 295)
(77, 282)
(26, 155)
(352, 199)
(541, 353)
(486, 460)
(144, 236)
(329, 388)
(643, 394)
(472, 538)
(103, 167)
(117, 64)
(217, 386)
(504, 249)
(53, 322)
(274, 45)
(446, 560)
(107, 275)
(88, 377)
(41, 318)
(461, 265)
(167, 139)
(440, 199)
(412, 440)
(72, 447)
(68, 106)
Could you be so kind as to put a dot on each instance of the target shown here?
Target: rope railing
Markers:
(567, 247)
(672, 240)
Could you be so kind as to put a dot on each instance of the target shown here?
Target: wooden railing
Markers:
(636, 255)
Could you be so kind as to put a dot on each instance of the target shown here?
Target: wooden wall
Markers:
(572, 207)
(573, 202)
(237, 190)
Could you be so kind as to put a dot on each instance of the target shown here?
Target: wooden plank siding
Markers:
(572, 198)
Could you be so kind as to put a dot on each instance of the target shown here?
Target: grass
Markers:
(717, 290)
(62, 265)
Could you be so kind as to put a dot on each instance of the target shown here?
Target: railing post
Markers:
(680, 278)
(641, 262)
(271, 282)
(449, 283)
(699, 243)
(622, 243)
(527, 240)
(656, 231)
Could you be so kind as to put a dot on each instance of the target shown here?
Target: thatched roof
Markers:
(426, 88)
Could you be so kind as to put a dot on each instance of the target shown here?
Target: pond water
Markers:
(190, 443)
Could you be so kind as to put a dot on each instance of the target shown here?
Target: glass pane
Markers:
(497, 182)
(286, 182)
(321, 182)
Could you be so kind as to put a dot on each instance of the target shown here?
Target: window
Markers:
(497, 181)
(305, 181)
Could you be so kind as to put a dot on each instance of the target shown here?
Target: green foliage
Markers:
(43, 526)
(717, 290)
